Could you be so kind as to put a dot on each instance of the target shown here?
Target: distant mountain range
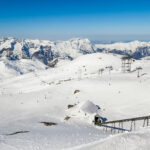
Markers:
(46, 51)
(136, 49)
(43, 50)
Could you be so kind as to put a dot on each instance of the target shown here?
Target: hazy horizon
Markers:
(100, 38)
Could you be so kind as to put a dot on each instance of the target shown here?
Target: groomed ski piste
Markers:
(42, 95)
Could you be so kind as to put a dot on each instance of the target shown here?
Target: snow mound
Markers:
(85, 110)
(138, 140)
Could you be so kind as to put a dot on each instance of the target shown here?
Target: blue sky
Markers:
(64, 19)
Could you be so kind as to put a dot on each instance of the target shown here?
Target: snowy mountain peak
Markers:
(44, 50)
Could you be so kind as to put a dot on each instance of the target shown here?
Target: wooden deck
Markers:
(119, 124)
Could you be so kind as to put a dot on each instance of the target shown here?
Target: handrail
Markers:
(126, 120)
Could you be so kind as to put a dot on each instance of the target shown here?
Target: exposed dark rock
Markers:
(76, 91)
(49, 123)
(18, 132)
(53, 63)
(70, 106)
(67, 118)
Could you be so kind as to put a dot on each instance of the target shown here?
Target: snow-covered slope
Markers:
(138, 140)
(31, 94)
(136, 49)
(43, 96)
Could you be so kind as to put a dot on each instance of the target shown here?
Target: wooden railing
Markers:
(119, 124)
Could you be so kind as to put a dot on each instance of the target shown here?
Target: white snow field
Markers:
(29, 98)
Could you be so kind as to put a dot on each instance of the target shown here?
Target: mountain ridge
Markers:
(46, 51)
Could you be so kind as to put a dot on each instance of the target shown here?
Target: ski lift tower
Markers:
(126, 63)
(138, 69)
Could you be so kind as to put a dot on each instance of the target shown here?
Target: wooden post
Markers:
(119, 127)
(147, 121)
(122, 126)
(134, 125)
(114, 129)
(144, 123)
(111, 129)
(131, 125)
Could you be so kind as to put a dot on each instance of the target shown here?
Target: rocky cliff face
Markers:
(45, 51)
